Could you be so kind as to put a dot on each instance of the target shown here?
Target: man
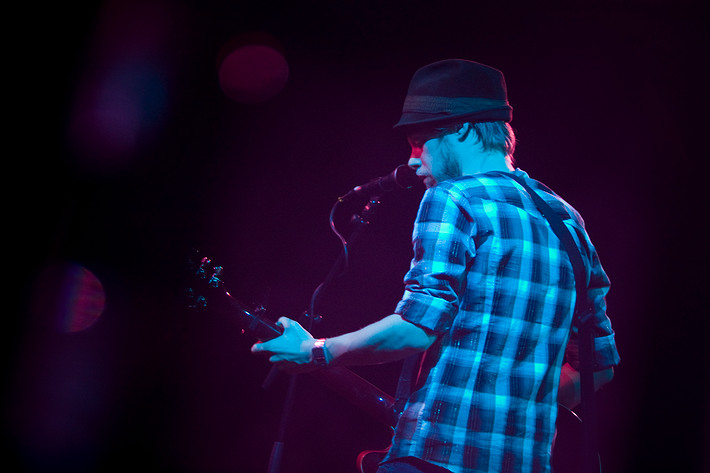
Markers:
(489, 296)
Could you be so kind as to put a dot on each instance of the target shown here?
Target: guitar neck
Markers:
(360, 392)
(342, 381)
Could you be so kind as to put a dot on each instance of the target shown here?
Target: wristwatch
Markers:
(318, 357)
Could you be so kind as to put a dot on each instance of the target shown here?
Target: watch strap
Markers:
(318, 357)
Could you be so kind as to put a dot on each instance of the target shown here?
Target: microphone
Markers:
(402, 177)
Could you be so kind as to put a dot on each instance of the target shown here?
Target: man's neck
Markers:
(490, 161)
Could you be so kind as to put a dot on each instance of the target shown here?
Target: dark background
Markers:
(609, 98)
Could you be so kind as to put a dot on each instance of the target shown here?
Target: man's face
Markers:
(434, 156)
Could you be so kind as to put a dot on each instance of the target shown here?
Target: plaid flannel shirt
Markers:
(494, 282)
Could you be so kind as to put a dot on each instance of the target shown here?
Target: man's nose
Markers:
(414, 160)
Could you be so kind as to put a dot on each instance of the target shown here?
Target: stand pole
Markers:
(361, 221)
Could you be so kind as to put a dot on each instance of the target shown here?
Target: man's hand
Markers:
(569, 393)
(291, 350)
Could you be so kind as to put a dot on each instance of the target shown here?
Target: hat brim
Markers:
(411, 119)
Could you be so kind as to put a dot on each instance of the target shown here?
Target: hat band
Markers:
(455, 105)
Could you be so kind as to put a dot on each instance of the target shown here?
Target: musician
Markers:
(489, 296)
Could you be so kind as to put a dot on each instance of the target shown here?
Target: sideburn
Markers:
(448, 167)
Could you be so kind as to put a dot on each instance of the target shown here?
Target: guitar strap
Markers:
(582, 319)
(407, 379)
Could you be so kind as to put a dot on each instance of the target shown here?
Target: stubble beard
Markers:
(448, 166)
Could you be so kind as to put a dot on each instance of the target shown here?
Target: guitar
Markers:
(209, 293)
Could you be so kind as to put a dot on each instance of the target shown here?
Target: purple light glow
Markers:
(253, 73)
(123, 94)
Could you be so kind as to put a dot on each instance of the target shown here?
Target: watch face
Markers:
(318, 353)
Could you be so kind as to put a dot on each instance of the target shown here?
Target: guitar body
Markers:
(566, 450)
(369, 460)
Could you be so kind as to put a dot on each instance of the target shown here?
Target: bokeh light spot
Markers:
(122, 97)
(68, 297)
(253, 73)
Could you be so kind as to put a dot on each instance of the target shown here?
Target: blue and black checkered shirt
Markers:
(494, 282)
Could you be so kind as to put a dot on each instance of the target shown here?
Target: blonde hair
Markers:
(497, 136)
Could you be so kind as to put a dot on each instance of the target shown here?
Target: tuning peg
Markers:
(310, 319)
(259, 310)
(201, 271)
(195, 302)
(214, 279)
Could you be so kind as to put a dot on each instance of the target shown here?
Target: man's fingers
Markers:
(258, 348)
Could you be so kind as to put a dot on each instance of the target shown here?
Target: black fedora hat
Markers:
(455, 89)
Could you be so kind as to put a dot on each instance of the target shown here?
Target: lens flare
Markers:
(68, 297)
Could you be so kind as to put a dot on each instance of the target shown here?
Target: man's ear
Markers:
(463, 131)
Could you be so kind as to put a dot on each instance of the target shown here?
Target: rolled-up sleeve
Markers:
(442, 248)
(606, 354)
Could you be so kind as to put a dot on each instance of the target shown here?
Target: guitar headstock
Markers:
(204, 278)
(206, 291)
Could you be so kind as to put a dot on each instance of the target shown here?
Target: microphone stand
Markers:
(361, 221)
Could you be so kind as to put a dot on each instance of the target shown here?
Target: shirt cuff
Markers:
(431, 313)
(605, 353)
